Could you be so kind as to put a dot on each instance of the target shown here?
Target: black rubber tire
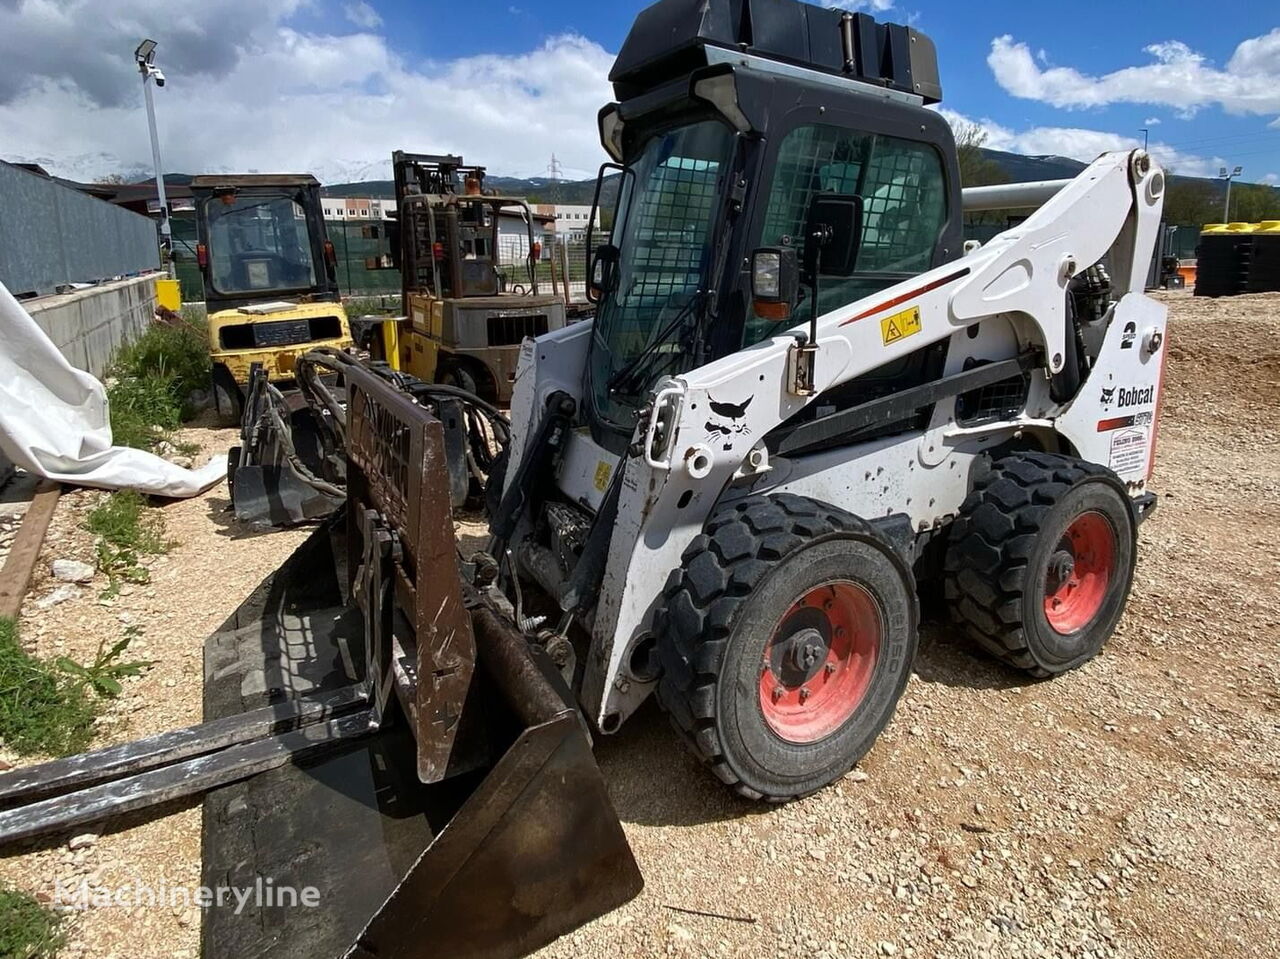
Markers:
(228, 402)
(1000, 548)
(459, 376)
(755, 559)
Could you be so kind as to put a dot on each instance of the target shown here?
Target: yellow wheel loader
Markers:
(803, 395)
(270, 280)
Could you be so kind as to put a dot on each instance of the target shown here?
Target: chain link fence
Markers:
(562, 268)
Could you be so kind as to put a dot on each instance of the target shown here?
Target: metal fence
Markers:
(564, 264)
(52, 236)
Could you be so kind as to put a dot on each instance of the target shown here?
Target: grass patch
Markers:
(48, 709)
(153, 378)
(42, 710)
(127, 531)
(28, 930)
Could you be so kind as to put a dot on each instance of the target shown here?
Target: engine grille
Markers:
(999, 401)
(512, 330)
(256, 336)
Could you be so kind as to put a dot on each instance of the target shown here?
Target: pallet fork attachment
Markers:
(533, 851)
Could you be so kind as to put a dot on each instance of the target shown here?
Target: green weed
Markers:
(42, 711)
(152, 380)
(127, 531)
(104, 674)
(48, 709)
(28, 930)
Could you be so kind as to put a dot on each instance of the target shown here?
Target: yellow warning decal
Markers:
(603, 472)
(900, 325)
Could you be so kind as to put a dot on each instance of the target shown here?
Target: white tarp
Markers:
(54, 423)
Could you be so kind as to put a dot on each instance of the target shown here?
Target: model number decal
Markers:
(900, 325)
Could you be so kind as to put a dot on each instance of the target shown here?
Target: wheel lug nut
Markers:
(828, 604)
(804, 694)
(830, 668)
(840, 631)
(779, 692)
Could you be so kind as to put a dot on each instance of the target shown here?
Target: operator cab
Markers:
(270, 279)
(262, 238)
(732, 116)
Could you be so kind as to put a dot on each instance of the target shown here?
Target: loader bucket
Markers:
(281, 474)
(390, 768)
(476, 823)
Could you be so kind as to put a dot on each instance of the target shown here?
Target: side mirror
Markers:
(834, 234)
(775, 282)
(604, 266)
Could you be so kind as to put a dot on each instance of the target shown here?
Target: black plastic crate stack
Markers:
(1264, 264)
(1231, 262)
(1223, 263)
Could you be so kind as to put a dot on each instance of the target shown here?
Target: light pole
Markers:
(1146, 138)
(1224, 175)
(146, 55)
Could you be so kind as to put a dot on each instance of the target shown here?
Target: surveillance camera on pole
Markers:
(145, 56)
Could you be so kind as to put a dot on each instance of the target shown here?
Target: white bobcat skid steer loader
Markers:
(801, 392)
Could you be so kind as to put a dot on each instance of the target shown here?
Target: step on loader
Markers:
(803, 396)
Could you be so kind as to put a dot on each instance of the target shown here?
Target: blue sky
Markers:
(1094, 38)
(335, 85)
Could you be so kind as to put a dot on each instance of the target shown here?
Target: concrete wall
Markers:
(89, 325)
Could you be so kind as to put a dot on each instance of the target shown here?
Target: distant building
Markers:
(357, 208)
(570, 221)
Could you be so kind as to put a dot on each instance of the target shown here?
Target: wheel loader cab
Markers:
(270, 280)
(726, 159)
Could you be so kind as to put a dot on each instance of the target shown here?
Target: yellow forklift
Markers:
(466, 314)
(270, 279)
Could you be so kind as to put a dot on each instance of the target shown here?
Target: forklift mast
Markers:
(449, 228)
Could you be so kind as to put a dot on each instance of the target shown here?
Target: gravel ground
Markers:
(193, 589)
(1130, 809)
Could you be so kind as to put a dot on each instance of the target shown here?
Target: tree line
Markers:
(1189, 202)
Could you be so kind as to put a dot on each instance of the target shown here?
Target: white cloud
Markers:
(1178, 77)
(1271, 179)
(1081, 144)
(362, 15)
(89, 45)
(281, 99)
(875, 6)
(1152, 122)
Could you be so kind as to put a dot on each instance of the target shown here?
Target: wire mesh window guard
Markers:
(904, 205)
(664, 218)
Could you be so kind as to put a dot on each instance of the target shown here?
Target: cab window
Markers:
(903, 190)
